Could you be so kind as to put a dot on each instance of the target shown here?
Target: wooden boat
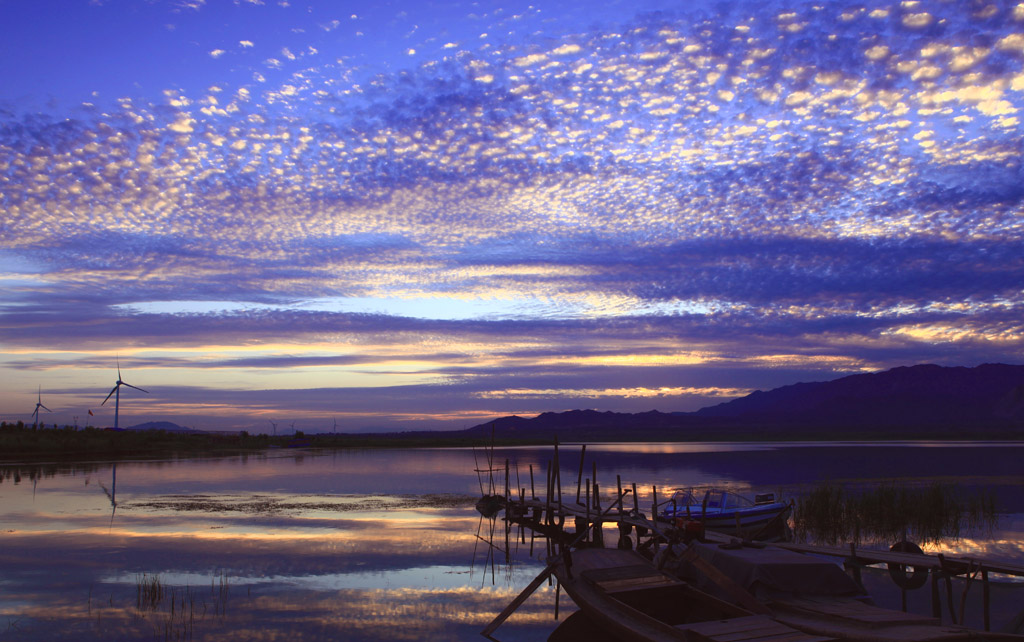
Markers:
(727, 512)
(811, 594)
(627, 596)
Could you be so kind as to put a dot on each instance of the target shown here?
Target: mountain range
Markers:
(915, 402)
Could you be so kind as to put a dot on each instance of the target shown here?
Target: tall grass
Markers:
(890, 512)
(176, 609)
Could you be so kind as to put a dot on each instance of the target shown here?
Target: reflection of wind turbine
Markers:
(39, 404)
(116, 392)
(112, 493)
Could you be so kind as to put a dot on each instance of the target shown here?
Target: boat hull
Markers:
(767, 519)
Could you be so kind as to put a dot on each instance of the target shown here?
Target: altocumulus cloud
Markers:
(798, 190)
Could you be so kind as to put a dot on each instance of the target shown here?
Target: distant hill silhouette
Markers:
(166, 426)
(922, 401)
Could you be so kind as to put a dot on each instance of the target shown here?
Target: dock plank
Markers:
(754, 628)
(854, 611)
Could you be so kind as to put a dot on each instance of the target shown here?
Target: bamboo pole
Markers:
(533, 491)
(476, 467)
(516, 603)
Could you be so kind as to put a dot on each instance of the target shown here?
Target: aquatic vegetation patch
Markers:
(889, 512)
(269, 504)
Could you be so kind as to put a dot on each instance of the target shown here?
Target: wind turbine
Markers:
(116, 393)
(39, 404)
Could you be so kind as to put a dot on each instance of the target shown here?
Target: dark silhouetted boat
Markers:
(624, 594)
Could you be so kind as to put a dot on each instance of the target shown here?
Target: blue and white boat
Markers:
(724, 511)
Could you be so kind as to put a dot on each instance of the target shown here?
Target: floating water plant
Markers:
(830, 513)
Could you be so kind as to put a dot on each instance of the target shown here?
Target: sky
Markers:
(419, 215)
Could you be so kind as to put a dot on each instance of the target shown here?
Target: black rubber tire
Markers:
(917, 577)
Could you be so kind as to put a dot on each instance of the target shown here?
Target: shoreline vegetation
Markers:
(20, 442)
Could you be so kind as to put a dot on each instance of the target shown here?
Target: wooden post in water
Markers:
(579, 476)
(654, 503)
(506, 482)
(618, 483)
(518, 483)
(588, 505)
(533, 491)
(636, 501)
(598, 531)
(949, 587)
(985, 597)
(557, 477)
(854, 564)
(547, 497)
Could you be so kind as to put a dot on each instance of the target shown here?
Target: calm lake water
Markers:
(377, 544)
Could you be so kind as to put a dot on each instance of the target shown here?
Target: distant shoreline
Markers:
(28, 444)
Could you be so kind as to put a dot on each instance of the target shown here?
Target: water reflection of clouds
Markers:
(257, 614)
(409, 569)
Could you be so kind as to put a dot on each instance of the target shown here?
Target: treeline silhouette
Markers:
(19, 441)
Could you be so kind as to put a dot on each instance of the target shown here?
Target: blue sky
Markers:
(412, 215)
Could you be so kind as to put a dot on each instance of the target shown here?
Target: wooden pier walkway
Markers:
(548, 516)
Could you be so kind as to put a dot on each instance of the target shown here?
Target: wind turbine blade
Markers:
(136, 387)
(111, 393)
(45, 408)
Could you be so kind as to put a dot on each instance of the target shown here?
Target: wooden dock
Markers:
(548, 515)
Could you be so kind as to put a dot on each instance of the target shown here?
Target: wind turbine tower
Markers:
(39, 404)
(116, 393)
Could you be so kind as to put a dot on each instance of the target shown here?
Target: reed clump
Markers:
(830, 513)
(149, 592)
(175, 610)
